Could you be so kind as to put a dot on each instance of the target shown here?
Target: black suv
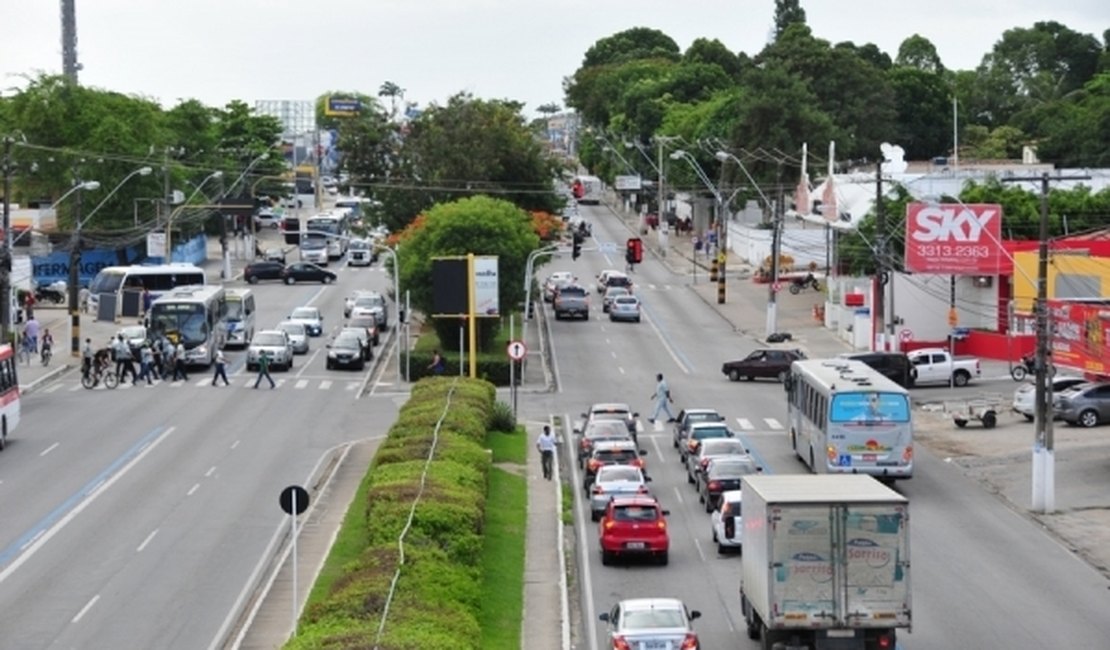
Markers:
(267, 270)
(895, 366)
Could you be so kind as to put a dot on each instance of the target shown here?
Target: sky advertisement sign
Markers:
(954, 238)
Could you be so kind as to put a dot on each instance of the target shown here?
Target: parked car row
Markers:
(268, 269)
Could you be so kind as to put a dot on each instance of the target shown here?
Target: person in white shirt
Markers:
(546, 446)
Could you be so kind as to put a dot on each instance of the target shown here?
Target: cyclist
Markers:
(47, 346)
(86, 358)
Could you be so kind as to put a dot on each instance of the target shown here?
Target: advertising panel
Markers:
(1079, 334)
(342, 107)
(954, 238)
(627, 183)
(486, 286)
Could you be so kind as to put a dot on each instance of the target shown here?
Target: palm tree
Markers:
(393, 92)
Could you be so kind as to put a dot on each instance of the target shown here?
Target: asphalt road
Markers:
(983, 576)
(135, 518)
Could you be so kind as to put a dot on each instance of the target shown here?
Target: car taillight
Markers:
(637, 462)
(585, 443)
(620, 644)
(662, 524)
(608, 523)
(885, 641)
(704, 462)
(690, 642)
(907, 455)
(691, 444)
(594, 464)
(598, 489)
(643, 489)
(713, 485)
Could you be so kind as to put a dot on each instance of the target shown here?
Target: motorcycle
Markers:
(52, 293)
(797, 285)
(1024, 368)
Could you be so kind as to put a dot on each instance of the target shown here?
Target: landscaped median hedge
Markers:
(438, 596)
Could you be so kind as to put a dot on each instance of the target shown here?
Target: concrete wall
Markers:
(753, 245)
(922, 302)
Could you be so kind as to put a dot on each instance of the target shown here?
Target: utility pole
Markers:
(74, 281)
(776, 244)
(6, 319)
(164, 206)
(879, 333)
(1044, 463)
(225, 258)
(661, 217)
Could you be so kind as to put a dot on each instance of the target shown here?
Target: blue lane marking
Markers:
(666, 336)
(755, 453)
(50, 519)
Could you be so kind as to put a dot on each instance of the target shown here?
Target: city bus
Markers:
(195, 316)
(336, 226)
(158, 279)
(9, 393)
(847, 418)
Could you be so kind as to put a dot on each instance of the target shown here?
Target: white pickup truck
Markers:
(936, 366)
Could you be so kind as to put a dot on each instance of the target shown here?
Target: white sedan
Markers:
(728, 521)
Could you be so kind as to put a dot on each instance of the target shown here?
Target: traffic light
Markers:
(634, 250)
(577, 246)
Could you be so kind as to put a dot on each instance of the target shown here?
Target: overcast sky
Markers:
(219, 50)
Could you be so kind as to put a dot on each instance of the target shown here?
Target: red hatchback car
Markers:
(634, 526)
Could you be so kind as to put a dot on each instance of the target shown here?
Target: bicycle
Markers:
(46, 354)
(90, 380)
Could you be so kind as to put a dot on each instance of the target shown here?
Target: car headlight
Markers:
(201, 350)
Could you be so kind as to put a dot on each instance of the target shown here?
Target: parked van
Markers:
(240, 317)
(895, 366)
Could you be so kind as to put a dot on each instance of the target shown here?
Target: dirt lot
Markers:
(1000, 459)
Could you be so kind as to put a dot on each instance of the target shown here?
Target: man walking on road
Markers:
(546, 445)
(264, 370)
(221, 369)
(662, 397)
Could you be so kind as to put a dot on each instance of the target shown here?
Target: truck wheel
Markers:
(961, 378)
(989, 420)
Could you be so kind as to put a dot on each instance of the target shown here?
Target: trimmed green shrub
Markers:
(502, 418)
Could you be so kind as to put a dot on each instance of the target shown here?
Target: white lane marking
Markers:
(147, 540)
(49, 449)
(621, 369)
(745, 424)
(583, 536)
(772, 423)
(85, 609)
(697, 545)
(613, 354)
(54, 388)
(666, 345)
(32, 540)
(326, 384)
(192, 490)
(76, 387)
(235, 444)
(202, 382)
(678, 494)
(352, 385)
(301, 383)
(210, 472)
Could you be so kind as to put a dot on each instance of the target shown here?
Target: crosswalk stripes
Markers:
(324, 385)
(746, 424)
(236, 381)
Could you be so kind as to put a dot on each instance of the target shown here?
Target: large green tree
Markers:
(481, 225)
(919, 53)
(787, 13)
(1075, 131)
(630, 45)
(924, 125)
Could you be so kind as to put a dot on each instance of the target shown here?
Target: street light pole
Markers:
(6, 311)
(169, 220)
(74, 265)
(395, 252)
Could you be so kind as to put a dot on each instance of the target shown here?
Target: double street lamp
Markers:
(180, 208)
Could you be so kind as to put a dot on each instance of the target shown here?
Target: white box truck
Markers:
(826, 562)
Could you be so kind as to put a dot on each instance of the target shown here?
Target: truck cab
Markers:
(938, 366)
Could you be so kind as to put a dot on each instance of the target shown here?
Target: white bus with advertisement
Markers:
(847, 418)
(194, 316)
(157, 279)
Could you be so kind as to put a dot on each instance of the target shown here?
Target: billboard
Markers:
(1080, 331)
(627, 183)
(451, 291)
(342, 107)
(486, 286)
(954, 238)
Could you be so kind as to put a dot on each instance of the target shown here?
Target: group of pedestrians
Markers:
(34, 336)
(157, 359)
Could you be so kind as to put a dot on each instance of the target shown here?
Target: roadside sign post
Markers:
(516, 350)
(294, 501)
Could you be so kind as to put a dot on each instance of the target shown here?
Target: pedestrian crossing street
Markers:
(236, 382)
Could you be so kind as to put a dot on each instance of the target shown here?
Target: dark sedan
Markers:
(346, 352)
(263, 270)
(767, 363)
(307, 272)
(722, 475)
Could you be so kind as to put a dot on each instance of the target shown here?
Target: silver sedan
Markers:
(612, 481)
(298, 335)
(625, 307)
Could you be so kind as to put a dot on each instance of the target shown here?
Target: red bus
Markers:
(9, 393)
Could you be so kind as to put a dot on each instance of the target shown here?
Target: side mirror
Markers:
(666, 513)
(584, 415)
(695, 614)
(604, 616)
(635, 415)
(647, 479)
(577, 429)
(643, 452)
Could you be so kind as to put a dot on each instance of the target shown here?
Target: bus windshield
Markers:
(869, 408)
(234, 310)
(106, 282)
(184, 322)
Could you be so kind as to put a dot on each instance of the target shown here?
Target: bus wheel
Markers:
(793, 441)
(812, 463)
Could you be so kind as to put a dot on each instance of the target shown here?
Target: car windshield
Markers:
(618, 473)
(345, 341)
(618, 281)
(305, 313)
(353, 331)
(650, 619)
(702, 433)
(731, 468)
(613, 292)
(270, 339)
(635, 513)
(607, 429)
(571, 290)
(694, 418)
(314, 243)
(626, 300)
(292, 329)
(357, 245)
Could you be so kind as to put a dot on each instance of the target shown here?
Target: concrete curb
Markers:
(50, 375)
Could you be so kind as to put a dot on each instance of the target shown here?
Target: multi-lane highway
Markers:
(983, 576)
(135, 518)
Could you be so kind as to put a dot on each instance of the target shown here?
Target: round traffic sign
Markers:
(516, 350)
(293, 500)
(906, 334)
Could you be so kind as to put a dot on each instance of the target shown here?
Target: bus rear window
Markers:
(870, 407)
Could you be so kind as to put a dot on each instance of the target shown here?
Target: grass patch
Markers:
(568, 505)
(509, 447)
(503, 560)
